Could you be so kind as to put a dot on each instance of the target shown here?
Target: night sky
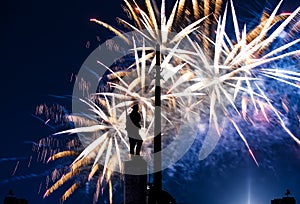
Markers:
(42, 44)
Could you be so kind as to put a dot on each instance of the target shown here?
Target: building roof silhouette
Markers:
(11, 199)
(284, 200)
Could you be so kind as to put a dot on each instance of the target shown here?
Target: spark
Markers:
(40, 188)
(29, 163)
(16, 167)
(47, 121)
(70, 191)
(285, 14)
(110, 28)
(61, 154)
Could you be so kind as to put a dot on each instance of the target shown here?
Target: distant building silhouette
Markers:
(284, 200)
(11, 199)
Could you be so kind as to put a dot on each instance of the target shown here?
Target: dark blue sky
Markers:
(42, 45)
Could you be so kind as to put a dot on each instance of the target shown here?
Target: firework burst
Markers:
(204, 73)
(238, 69)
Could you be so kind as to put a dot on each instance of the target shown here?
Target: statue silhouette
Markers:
(287, 192)
(133, 126)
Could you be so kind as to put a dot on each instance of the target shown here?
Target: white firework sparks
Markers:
(204, 73)
(236, 70)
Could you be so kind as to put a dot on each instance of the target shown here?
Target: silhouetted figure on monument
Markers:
(133, 126)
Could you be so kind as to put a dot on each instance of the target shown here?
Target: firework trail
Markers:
(205, 73)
